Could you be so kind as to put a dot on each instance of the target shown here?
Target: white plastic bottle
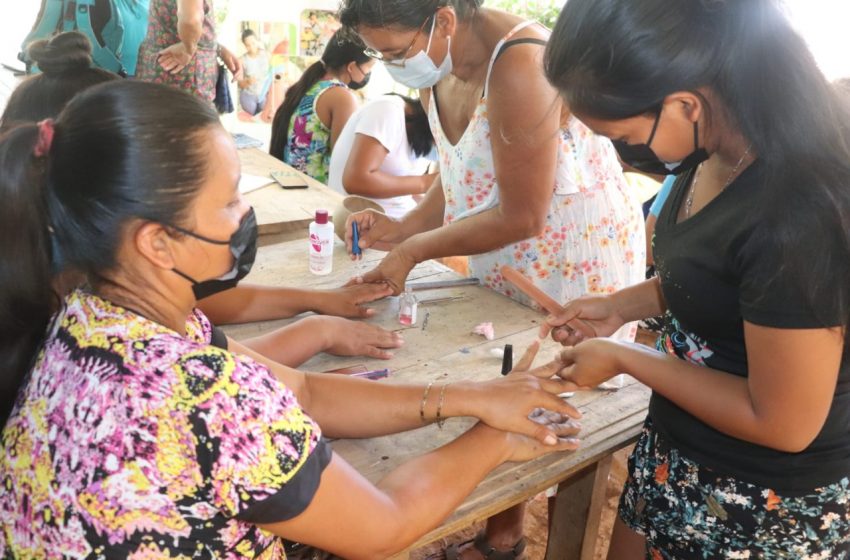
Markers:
(321, 244)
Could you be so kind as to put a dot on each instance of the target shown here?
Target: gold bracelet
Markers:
(424, 400)
(440, 419)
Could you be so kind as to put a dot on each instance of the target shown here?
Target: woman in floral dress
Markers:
(522, 182)
(181, 49)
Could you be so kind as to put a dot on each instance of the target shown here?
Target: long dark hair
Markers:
(66, 68)
(614, 59)
(404, 14)
(416, 126)
(341, 50)
(120, 151)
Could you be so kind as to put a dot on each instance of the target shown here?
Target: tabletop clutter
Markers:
(455, 329)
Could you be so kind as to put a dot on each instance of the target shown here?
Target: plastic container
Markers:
(321, 257)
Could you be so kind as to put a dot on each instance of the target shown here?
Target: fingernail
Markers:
(550, 440)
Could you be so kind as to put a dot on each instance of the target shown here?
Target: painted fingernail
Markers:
(550, 440)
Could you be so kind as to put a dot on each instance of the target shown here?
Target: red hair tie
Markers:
(45, 138)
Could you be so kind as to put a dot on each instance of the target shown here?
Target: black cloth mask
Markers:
(362, 83)
(642, 158)
(243, 247)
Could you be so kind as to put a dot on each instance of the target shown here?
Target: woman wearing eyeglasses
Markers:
(317, 106)
(522, 183)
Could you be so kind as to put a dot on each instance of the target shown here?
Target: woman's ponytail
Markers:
(27, 299)
(294, 94)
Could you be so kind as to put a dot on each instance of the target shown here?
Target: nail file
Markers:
(550, 305)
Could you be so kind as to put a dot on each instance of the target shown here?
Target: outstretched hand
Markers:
(511, 403)
(590, 363)
(175, 58)
(350, 300)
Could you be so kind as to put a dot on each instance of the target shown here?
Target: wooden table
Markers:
(284, 214)
(446, 350)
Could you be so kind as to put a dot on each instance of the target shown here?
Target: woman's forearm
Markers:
(427, 215)
(348, 407)
(474, 235)
(190, 23)
(248, 303)
(291, 345)
(723, 401)
(640, 301)
(378, 184)
(412, 499)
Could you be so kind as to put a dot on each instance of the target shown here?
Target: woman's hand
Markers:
(348, 301)
(392, 271)
(352, 338)
(524, 448)
(583, 318)
(377, 230)
(591, 362)
(232, 62)
(175, 58)
(525, 401)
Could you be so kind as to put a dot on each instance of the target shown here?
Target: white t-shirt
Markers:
(383, 120)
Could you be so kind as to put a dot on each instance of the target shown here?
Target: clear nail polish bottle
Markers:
(407, 305)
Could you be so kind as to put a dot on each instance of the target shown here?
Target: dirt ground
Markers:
(536, 531)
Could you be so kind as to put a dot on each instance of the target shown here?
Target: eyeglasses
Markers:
(399, 62)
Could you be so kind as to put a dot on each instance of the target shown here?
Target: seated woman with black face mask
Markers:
(316, 107)
(126, 432)
(66, 70)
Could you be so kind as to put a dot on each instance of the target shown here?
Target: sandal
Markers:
(488, 551)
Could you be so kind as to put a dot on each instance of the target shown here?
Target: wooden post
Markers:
(577, 512)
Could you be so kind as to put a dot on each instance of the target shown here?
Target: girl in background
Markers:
(317, 106)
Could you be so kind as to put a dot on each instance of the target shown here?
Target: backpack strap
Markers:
(102, 56)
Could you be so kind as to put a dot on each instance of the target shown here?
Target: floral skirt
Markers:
(687, 511)
(197, 78)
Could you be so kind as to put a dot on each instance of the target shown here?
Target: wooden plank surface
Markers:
(284, 212)
(447, 351)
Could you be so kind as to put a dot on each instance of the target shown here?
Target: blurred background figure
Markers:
(181, 48)
(382, 154)
(255, 70)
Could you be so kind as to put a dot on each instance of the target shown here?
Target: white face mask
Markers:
(419, 71)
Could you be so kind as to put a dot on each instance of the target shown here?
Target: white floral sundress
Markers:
(593, 241)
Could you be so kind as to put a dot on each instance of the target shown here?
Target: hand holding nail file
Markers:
(550, 305)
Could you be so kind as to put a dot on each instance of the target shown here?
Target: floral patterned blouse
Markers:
(199, 76)
(130, 440)
(593, 241)
(308, 144)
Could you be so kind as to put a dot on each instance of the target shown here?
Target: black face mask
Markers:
(642, 158)
(243, 247)
(362, 83)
